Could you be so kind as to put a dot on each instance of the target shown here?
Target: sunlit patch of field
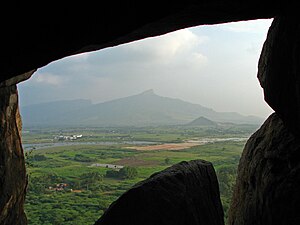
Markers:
(172, 146)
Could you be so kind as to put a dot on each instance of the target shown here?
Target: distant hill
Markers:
(143, 109)
(202, 121)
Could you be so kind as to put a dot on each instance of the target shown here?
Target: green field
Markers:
(89, 190)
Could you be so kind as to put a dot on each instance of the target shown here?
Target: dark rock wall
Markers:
(184, 194)
(13, 180)
(268, 182)
(279, 70)
(268, 178)
(33, 37)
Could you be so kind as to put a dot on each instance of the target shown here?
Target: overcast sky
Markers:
(214, 66)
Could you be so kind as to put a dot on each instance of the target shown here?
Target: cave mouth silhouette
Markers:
(63, 31)
(54, 80)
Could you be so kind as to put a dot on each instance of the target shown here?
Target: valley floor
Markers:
(75, 184)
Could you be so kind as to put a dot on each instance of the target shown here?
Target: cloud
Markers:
(208, 65)
(47, 79)
(168, 47)
(174, 51)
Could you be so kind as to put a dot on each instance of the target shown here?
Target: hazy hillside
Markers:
(202, 121)
(143, 109)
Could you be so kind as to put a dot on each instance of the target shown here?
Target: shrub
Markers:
(126, 172)
(82, 158)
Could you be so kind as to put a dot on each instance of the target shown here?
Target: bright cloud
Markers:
(47, 79)
(163, 49)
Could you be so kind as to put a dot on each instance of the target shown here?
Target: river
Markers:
(200, 141)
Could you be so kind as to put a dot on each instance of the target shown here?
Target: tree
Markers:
(167, 161)
(128, 172)
(112, 174)
(92, 176)
(226, 177)
(82, 158)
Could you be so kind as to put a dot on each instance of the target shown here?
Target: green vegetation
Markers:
(126, 172)
(74, 184)
(120, 134)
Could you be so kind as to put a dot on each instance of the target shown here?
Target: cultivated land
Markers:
(65, 186)
(174, 146)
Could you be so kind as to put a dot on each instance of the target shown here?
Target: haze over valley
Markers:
(144, 109)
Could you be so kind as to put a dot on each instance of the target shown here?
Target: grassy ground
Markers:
(72, 165)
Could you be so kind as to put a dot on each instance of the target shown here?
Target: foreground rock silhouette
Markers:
(13, 180)
(268, 182)
(186, 193)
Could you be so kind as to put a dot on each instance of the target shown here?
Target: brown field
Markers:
(174, 146)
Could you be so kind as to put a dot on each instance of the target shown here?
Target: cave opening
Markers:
(211, 74)
(268, 176)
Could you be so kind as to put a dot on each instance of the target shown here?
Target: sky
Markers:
(213, 65)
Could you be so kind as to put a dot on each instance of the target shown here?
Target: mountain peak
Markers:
(202, 121)
(144, 109)
(148, 92)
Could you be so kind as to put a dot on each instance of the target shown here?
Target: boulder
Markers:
(279, 70)
(186, 193)
(268, 182)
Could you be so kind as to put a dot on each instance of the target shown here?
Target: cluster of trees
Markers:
(227, 178)
(87, 181)
(82, 158)
(66, 207)
(29, 158)
(126, 172)
(168, 161)
(40, 184)
(38, 157)
(69, 207)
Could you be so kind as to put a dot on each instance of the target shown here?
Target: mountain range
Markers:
(144, 109)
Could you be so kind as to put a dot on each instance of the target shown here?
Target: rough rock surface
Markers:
(268, 178)
(17, 79)
(279, 69)
(13, 180)
(268, 182)
(184, 194)
(34, 37)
